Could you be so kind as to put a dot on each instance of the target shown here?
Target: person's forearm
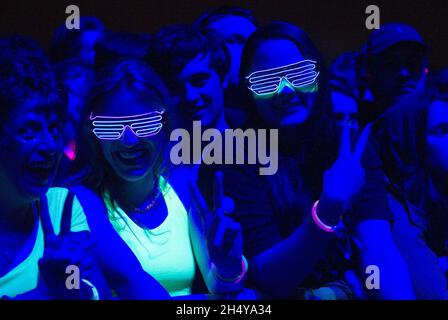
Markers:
(394, 279)
(281, 269)
(428, 279)
(377, 248)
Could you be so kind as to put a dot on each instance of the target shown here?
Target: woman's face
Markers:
(30, 151)
(437, 138)
(131, 157)
(287, 106)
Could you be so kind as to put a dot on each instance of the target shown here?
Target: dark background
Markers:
(336, 26)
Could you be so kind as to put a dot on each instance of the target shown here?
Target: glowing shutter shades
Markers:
(300, 75)
(142, 125)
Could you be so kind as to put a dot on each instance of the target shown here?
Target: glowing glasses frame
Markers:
(112, 128)
(300, 74)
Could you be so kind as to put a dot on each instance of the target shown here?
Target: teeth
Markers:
(131, 155)
(40, 166)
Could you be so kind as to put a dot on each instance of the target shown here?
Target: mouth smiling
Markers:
(131, 157)
(40, 171)
(288, 107)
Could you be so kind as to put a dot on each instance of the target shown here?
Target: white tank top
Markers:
(164, 252)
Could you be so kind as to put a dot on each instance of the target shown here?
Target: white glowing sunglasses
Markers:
(300, 74)
(142, 125)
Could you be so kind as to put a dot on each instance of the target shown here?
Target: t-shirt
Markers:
(164, 252)
(255, 207)
(23, 277)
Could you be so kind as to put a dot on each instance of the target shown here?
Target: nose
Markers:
(404, 72)
(285, 87)
(48, 144)
(192, 95)
(129, 138)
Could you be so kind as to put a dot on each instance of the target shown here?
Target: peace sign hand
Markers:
(346, 176)
(74, 248)
(224, 235)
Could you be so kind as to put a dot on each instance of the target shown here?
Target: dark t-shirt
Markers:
(256, 210)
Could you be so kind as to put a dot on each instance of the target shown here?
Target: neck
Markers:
(132, 194)
(221, 124)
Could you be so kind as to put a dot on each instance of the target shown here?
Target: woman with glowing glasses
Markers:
(291, 221)
(144, 208)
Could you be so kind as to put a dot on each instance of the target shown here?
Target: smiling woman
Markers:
(147, 206)
(32, 257)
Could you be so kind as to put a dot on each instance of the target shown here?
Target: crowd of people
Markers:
(88, 185)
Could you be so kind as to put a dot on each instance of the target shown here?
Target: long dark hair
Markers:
(421, 187)
(304, 156)
(132, 74)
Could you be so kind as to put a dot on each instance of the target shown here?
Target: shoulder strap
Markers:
(66, 219)
(45, 219)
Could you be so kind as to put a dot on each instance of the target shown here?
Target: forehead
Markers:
(276, 53)
(233, 25)
(199, 64)
(437, 113)
(128, 102)
(403, 50)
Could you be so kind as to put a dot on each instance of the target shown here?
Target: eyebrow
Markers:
(440, 124)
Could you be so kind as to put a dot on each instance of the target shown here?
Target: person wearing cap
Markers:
(396, 66)
(396, 62)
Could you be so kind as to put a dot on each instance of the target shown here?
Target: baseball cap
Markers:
(390, 34)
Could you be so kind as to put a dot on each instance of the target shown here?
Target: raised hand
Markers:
(346, 176)
(224, 236)
(61, 251)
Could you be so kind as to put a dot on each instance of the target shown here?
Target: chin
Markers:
(134, 174)
(208, 121)
(294, 119)
(35, 192)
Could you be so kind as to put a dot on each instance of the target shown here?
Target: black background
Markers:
(336, 26)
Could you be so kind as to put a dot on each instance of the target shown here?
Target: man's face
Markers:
(198, 91)
(345, 109)
(31, 147)
(235, 30)
(398, 71)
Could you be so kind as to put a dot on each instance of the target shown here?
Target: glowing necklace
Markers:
(150, 205)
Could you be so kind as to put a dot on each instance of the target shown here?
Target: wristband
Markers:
(319, 222)
(95, 294)
(237, 279)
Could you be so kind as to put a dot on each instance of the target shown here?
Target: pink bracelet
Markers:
(237, 279)
(319, 222)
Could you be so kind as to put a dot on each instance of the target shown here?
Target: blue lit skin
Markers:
(130, 157)
(345, 109)
(287, 107)
(198, 91)
(398, 71)
(437, 138)
(77, 83)
(235, 30)
(31, 148)
(88, 41)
